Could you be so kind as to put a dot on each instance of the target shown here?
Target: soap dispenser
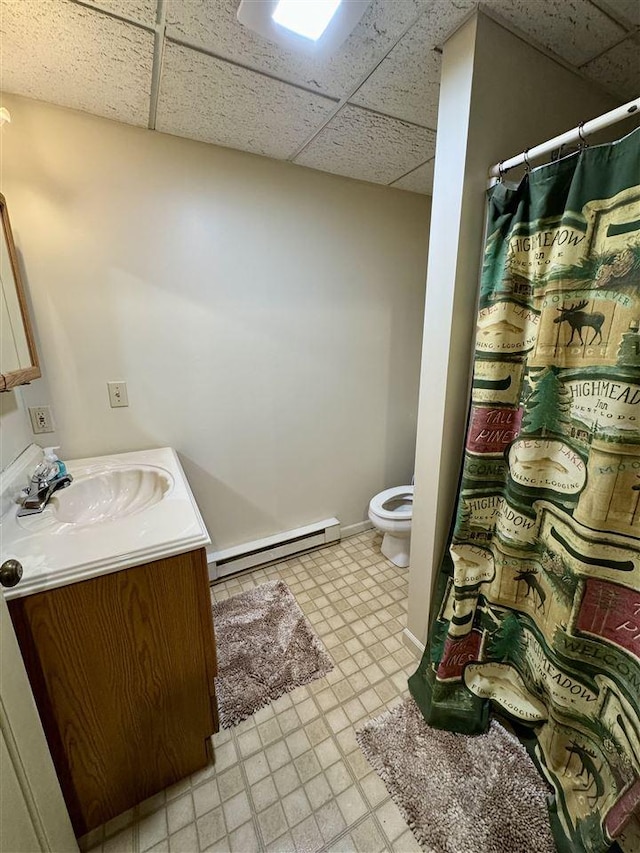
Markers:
(55, 467)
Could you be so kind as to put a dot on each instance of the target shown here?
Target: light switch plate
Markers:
(118, 394)
(41, 419)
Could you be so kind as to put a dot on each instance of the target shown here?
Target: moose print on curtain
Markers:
(538, 604)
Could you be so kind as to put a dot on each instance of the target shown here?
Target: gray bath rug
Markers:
(458, 793)
(266, 647)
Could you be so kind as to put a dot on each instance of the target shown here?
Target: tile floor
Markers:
(292, 777)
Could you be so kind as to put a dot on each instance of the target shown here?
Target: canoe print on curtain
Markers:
(537, 611)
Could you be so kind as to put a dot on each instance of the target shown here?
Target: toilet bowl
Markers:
(390, 512)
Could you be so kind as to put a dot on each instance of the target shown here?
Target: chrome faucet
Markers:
(44, 482)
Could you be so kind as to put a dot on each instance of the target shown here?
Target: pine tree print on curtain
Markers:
(537, 612)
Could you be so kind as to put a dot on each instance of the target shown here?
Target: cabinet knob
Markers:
(10, 573)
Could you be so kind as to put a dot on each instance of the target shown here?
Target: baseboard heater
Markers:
(271, 548)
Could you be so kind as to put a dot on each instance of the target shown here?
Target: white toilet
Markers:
(390, 512)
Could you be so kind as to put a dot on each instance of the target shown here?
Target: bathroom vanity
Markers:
(118, 642)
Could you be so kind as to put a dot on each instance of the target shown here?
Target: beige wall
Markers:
(267, 318)
(498, 95)
(15, 427)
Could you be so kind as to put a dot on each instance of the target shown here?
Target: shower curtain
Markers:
(537, 610)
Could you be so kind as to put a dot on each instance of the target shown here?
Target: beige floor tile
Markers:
(347, 740)
(264, 794)
(338, 777)
(152, 829)
(392, 822)
(178, 789)
(327, 753)
(358, 764)
(277, 755)
(343, 845)
(226, 756)
(161, 847)
(211, 827)
(286, 779)
(296, 806)
(326, 699)
(206, 797)
(180, 812)
(330, 820)
(406, 844)
(307, 836)
(351, 804)
(230, 783)
(318, 792)
(307, 766)
(184, 841)
(236, 811)
(249, 742)
(288, 720)
(317, 731)
(284, 844)
(122, 842)
(272, 823)
(244, 839)
(256, 767)
(337, 720)
(298, 742)
(307, 710)
(374, 789)
(367, 838)
(112, 827)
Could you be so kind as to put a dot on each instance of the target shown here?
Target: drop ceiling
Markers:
(369, 111)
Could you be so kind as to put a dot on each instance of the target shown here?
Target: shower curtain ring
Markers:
(525, 155)
(583, 140)
(501, 171)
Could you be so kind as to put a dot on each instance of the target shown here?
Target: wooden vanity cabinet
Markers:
(122, 668)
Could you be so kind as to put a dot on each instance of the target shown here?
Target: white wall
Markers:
(15, 427)
(498, 96)
(267, 318)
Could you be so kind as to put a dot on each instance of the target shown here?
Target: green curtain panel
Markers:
(537, 610)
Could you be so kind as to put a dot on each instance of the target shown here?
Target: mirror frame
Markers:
(23, 375)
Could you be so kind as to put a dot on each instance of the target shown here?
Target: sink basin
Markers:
(110, 495)
(98, 496)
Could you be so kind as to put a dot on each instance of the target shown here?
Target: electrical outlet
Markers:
(118, 394)
(41, 419)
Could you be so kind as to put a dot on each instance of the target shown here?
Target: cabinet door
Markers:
(32, 813)
(120, 666)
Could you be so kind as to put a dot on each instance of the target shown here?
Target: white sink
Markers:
(94, 498)
(120, 511)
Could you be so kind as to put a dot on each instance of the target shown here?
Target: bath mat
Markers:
(480, 794)
(266, 647)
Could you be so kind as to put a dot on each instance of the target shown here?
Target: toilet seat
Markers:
(399, 494)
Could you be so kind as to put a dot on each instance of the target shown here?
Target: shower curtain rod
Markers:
(570, 136)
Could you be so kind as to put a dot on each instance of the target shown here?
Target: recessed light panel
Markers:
(310, 26)
(307, 18)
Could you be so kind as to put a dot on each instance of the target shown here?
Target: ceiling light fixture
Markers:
(316, 27)
(307, 18)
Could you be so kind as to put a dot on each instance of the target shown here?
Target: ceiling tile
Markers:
(142, 11)
(418, 181)
(56, 51)
(407, 83)
(625, 11)
(213, 101)
(575, 30)
(368, 146)
(212, 25)
(617, 69)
